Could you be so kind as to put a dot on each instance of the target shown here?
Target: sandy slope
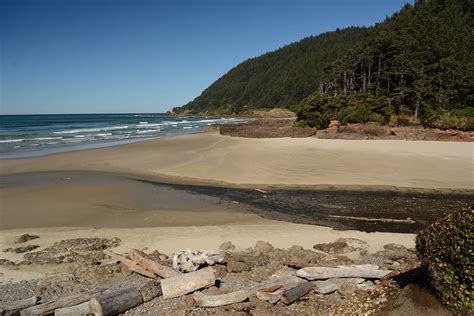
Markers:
(306, 161)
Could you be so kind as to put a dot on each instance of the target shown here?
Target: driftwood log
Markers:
(150, 290)
(50, 306)
(291, 295)
(133, 266)
(285, 282)
(15, 307)
(116, 301)
(152, 264)
(331, 285)
(219, 300)
(76, 310)
(352, 271)
(187, 282)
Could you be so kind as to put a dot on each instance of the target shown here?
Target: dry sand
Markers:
(210, 157)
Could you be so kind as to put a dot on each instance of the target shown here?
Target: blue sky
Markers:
(106, 56)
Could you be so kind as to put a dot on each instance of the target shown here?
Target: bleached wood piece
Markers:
(286, 282)
(116, 301)
(15, 307)
(50, 306)
(187, 282)
(82, 309)
(291, 295)
(351, 271)
(152, 264)
(132, 265)
(219, 300)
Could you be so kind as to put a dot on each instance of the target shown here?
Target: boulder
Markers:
(237, 266)
(342, 245)
(24, 238)
(227, 246)
(263, 246)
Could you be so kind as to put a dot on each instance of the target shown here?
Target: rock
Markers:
(367, 285)
(72, 250)
(220, 270)
(227, 246)
(263, 246)
(334, 124)
(298, 257)
(22, 249)
(333, 298)
(331, 285)
(24, 238)
(347, 289)
(395, 247)
(237, 266)
(6, 262)
(342, 245)
(285, 271)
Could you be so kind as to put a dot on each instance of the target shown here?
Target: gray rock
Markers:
(237, 266)
(24, 238)
(263, 246)
(331, 285)
(227, 246)
(347, 289)
(342, 245)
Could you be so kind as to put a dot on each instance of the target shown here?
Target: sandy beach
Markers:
(47, 196)
(212, 158)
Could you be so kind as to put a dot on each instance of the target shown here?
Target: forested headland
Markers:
(416, 67)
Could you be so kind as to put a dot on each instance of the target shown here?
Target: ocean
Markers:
(37, 135)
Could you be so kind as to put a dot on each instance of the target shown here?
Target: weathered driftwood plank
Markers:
(331, 285)
(50, 306)
(116, 301)
(291, 295)
(150, 290)
(152, 264)
(82, 309)
(132, 265)
(187, 282)
(351, 271)
(15, 307)
(219, 300)
(286, 282)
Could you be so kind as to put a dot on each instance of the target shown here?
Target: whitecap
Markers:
(46, 138)
(86, 130)
(16, 140)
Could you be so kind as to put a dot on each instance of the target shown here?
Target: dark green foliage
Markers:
(446, 248)
(280, 78)
(421, 59)
(357, 108)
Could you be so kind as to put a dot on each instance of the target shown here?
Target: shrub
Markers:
(446, 248)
